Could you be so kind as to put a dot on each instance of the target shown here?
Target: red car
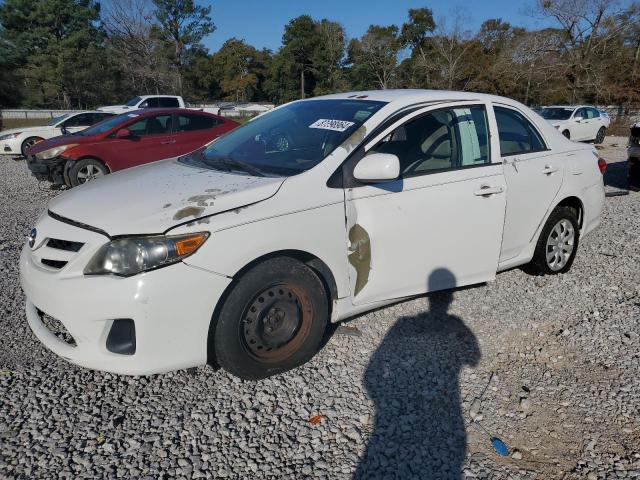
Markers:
(124, 141)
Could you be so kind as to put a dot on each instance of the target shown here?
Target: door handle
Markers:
(167, 142)
(549, 169)
(488, 190)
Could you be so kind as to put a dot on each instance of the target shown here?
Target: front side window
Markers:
(288, 140)
(442, 140)
(593, 113)
(517, 134)
(153, 125)
(149, 103)
(80, 120)
(190, 123)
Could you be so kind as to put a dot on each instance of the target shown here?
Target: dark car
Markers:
(633, 152)
(124, 141)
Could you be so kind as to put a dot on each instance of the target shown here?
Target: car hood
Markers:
(156, 197)
(25, 130)
(59, 140)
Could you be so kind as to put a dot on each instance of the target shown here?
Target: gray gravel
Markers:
(548, 364)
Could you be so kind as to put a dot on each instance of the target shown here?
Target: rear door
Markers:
(439, 225)
(533, 174)
(193, 130)
(151, 139)
(581, 129)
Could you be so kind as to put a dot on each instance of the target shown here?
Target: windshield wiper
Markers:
(230, 163)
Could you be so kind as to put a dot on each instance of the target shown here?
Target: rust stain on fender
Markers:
(201, 200)
(188, 212)
(360, 258)
(355, 139)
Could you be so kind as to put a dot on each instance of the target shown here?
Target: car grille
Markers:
(56, 327)
(52, 260)
(66, 245)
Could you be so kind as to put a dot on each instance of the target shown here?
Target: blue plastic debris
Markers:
(499, 446)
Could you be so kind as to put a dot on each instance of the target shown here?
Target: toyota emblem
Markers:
(31, 239)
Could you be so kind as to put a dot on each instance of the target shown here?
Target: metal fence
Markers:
(27, 114)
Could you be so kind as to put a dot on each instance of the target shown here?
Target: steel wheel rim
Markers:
(560, 244)
(600, 136)
(276, 322)
(88, 173)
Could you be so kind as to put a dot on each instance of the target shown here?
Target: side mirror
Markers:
(377, 167)
(577, 119)
(123, 133)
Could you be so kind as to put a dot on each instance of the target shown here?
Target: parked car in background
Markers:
(579, 123)
(633, 152)
(124, 141)
(241, 252)
(154, 101)
(17, 140)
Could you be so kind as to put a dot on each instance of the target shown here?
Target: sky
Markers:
(261, 22)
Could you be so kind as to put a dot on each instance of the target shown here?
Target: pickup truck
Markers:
(154, 101)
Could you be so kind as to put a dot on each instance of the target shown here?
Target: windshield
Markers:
(288, 140)
(556, 113)
(106, 125)
(59, 119)
(133, 102)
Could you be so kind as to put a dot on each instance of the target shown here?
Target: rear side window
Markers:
(517, 134)
(439, 141)
(80, 120)
(189, 123)
(153, 125)
(593, 113)
(168, 102)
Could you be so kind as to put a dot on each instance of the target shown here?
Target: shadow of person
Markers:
(412, 379)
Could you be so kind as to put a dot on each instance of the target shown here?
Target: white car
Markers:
(241, 252)
(17, 140)
(154, 101)
(580, 123)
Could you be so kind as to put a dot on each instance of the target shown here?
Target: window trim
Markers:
(343, 178)
(136, 120)
(450, 169)
(535, 127)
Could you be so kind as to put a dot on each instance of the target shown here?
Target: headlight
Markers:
(9, 136)
(54, 152)
(129, 256)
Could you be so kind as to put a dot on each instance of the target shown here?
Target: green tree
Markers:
(239, 66)
(374, 57)
(58, 46)
(182, 24)
(329, 58)
(300, 41)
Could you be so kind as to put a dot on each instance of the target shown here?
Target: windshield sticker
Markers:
(335, 125)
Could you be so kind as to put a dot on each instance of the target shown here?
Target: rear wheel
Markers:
(600, 135)
(558, 243)
(273, 320)
(29, 142)
(86, 170)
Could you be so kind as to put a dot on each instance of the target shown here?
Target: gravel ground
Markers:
(548, 364)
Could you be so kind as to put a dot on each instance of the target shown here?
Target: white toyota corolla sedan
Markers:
(240, 253)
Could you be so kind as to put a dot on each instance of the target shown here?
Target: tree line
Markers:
(80, 53)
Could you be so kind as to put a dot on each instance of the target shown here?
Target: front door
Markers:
(533, 175)
(151, 139)
(437, 226)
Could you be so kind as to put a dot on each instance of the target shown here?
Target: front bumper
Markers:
(171, 307)
(52, 170)
(10, 147)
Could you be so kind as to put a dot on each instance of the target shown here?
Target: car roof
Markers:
(155, 96)
(408, 96)
(156, 111)
(569, 106)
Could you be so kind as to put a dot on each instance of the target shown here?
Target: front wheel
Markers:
(600, 135)
(86, 170)
(558, 243)
(567, 134)
(28, 143)
(273, 320)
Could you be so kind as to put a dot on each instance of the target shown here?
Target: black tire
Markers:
(273, 320)
(600, 135)
(29, 142)
(539, 264)
(83, 166)
(567, 134)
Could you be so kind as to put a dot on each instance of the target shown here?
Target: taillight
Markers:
(602, 165)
